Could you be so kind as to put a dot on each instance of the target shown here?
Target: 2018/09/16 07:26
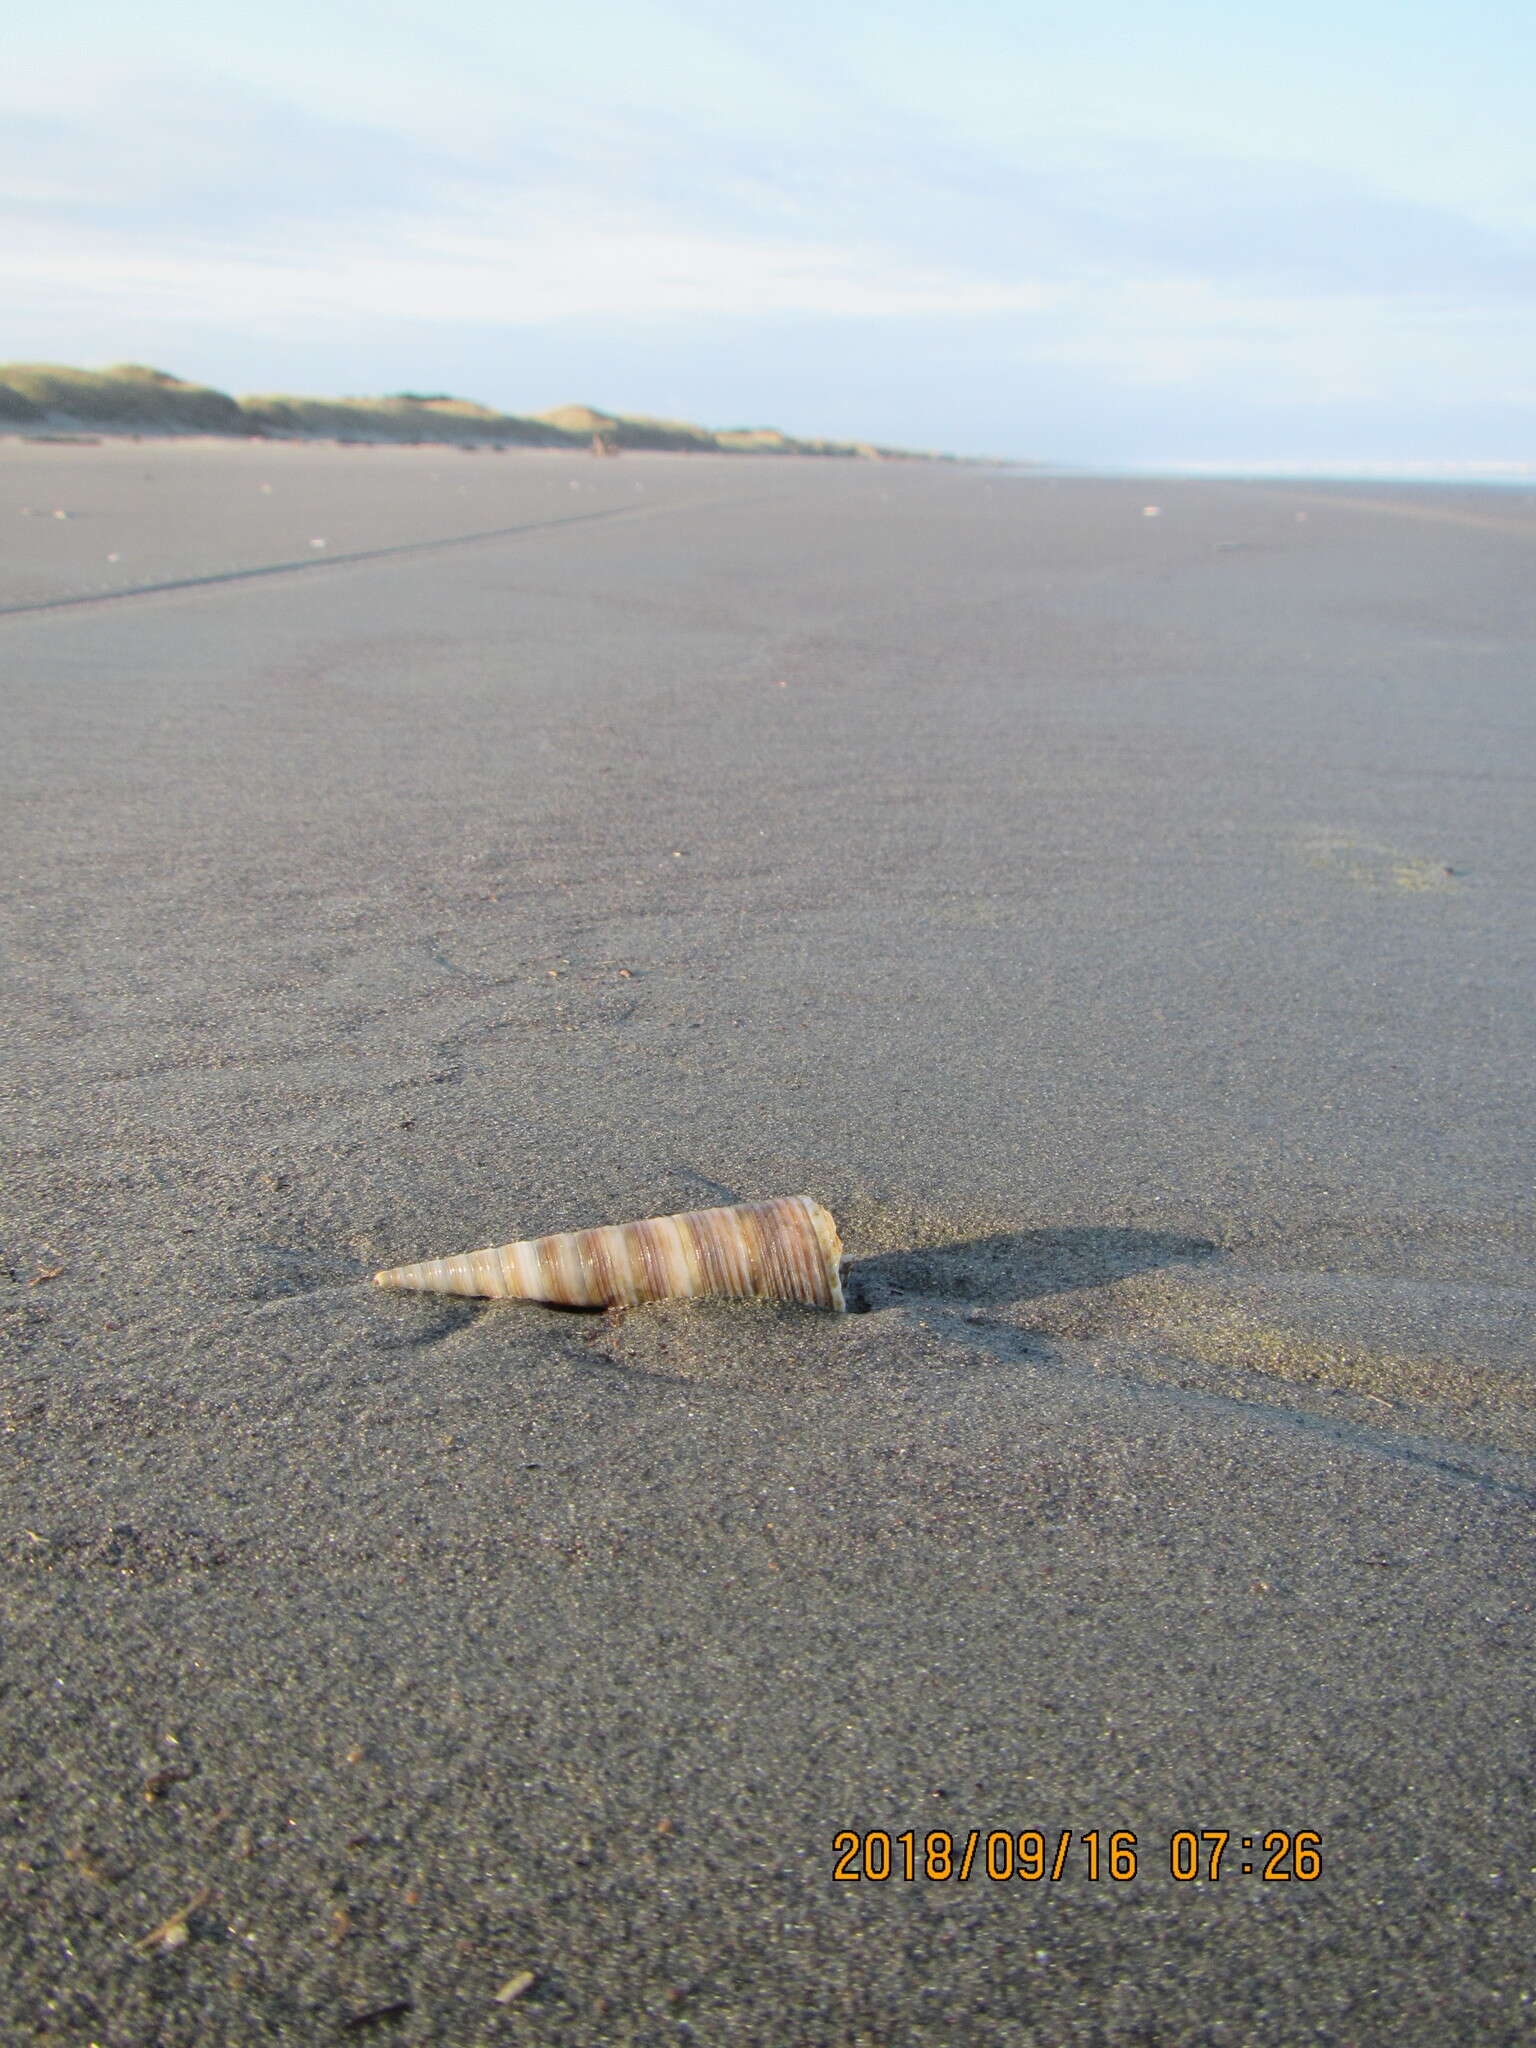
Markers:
(876, 1857)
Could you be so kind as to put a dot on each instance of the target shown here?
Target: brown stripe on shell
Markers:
(621, 1253)
(733, 1253)
(783, 1225)
(749, 1235)
(779, 1276)
(811, 1260)
(663, 1280)
(789, 1244)
(602, 1278)
(652, 1274)
(546, 1261)
(710, 1250)
(784, 1232)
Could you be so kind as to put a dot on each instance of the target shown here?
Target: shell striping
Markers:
(784, 1250)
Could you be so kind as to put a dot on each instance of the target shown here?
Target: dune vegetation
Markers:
(130, 398)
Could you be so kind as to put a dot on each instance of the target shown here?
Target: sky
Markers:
(1099, 233)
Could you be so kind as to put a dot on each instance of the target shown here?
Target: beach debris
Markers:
(784, 1250)
(375, 2015)
(160, 1782)
(519, 1982)
(44, 1274)
(173, 1931)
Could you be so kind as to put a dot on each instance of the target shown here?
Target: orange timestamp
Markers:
(1035, 1855)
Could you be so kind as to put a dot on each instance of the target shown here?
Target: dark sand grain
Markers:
(1123, 924)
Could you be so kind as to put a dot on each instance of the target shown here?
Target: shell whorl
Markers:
(784, 1250)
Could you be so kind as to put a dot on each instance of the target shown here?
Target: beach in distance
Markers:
(1111, 898)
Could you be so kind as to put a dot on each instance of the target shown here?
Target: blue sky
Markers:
(1098, 232)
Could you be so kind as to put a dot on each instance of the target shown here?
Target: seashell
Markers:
(785, 1250)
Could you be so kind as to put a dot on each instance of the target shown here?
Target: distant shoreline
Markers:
(58, 402)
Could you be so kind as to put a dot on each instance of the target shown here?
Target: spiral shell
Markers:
(785, 1250)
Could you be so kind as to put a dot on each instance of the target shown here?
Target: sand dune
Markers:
(130, 398)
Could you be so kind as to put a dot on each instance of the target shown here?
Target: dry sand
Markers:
(1122, 923)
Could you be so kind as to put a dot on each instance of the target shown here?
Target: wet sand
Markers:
(1121, 922)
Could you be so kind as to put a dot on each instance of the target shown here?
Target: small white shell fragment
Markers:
(173, 1932)
(784, 1250)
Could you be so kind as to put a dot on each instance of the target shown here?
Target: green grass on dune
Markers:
(403, 417)
(15, 405)
(636, 431)
(128, 395)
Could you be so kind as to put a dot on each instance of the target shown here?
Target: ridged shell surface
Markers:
(785, 1250)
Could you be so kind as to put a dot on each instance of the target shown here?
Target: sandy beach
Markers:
(1113, 900)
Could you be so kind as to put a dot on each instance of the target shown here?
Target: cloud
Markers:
(175, 157)
(174, 163)
(525, 273)
(254, 206)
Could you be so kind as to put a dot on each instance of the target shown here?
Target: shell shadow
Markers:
(1011, 1266)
